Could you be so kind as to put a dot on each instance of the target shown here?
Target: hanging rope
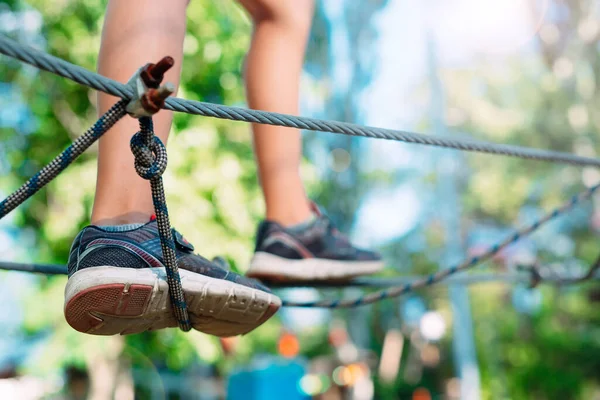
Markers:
(98, 82)
(150, 163)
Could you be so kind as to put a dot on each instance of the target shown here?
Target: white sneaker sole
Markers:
(111, 300)
(269, 267)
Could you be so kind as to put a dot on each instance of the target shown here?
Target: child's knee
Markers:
(293, 14)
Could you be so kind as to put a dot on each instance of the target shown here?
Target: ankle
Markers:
(134, 217)
(290, 217)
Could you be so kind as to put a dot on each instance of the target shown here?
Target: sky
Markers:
(464, 31)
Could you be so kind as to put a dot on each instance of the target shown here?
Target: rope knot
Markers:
(150, 155)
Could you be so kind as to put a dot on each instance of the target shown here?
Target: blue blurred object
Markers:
(526, 300)
(269, 379)
(413, 308)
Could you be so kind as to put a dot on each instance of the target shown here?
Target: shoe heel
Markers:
(91, 310)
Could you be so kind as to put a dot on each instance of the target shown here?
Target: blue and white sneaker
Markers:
(316, 252)
(117, 285)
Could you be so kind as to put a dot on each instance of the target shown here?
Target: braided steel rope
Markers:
(81, 75)
(150, 163)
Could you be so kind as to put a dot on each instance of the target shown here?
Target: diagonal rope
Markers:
(63, 160)
(438, 276)
(81, 75)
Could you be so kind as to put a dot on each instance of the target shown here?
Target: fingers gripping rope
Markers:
(150, 163)
(64, 159)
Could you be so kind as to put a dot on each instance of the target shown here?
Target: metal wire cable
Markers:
(81, 75)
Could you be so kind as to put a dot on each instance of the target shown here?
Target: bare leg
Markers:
(157, 30)
(273, 69)
(111, 289)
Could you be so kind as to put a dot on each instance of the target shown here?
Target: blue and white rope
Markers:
(438, 276)
(64, 159)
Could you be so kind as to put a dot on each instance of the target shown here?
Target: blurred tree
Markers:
(546, 98)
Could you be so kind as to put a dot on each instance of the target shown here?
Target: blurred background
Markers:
(522, 72)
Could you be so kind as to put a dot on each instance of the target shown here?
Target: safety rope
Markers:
(93, 80)
(150, 163)
(64, 159)
(438, 276)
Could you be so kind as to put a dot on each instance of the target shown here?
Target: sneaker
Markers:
(318, 252)
(117, 285)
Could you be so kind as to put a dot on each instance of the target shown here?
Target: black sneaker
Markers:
(117, 285)
(319, 252)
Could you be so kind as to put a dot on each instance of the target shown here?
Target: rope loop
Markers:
(150, 158)
(150, 163)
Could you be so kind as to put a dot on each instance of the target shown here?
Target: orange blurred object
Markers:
(421, 394)
(338, 335)
(228, 344)
(288, 345)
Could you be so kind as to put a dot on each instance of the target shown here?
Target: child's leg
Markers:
(115, 285)
(290, 244)
(273, 69)
(135, 32)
